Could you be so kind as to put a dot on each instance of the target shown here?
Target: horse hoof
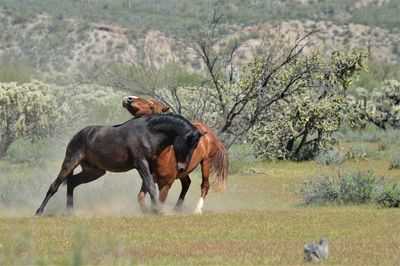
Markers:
(70, 212)
(39, 213)
(178, 209)
(197, 211)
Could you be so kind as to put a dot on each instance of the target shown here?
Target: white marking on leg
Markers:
(199, 206)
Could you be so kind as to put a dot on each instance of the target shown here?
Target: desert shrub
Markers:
(358, 187)
(363, 152)
(326, 190)
(330, 157)
(350, 188)
(390, 196)
(382, 146)
(370, 135)
(395, 160)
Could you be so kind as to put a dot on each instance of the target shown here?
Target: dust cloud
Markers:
(23, 187)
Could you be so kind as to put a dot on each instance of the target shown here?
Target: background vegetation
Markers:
(311, 122)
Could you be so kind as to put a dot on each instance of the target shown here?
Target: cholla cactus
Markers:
(382, 105)
(299, 127)
(27, 109)
(37, 109)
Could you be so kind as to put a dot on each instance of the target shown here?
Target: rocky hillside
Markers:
(61, 42)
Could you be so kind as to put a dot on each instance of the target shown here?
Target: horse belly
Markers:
(113, 161)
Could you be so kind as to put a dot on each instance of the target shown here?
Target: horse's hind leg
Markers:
(140, 198)
(185, 182)
(142, 167)
(205, 184)
(89, 173)
(69, 164)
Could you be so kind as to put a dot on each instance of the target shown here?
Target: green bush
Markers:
(363, 152)
(390, 196)
(326, 190)
(358, 188)
(395, 160)
(330, 157)
(350, 188)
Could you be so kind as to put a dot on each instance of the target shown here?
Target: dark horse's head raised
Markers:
(184, 143)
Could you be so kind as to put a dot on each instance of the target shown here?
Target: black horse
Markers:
(121, 148)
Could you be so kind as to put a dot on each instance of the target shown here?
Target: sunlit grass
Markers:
(357, 235)
(260, 218)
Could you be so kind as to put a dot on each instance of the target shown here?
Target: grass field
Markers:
(259, 219)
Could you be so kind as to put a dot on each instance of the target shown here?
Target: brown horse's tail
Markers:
(219, 168)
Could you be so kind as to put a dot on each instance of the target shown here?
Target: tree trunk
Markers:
(302, 142)
(5, 142)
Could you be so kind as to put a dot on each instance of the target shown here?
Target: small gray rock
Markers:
(315, 252)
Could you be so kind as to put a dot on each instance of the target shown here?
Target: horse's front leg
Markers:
(164, 189)
(148, 182)
(185, 182)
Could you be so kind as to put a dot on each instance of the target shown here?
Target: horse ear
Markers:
(165, 109)
(202, 133)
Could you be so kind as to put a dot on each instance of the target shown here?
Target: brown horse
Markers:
(210, 153)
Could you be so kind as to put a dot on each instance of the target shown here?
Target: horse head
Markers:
(184, 146)
(138, 106)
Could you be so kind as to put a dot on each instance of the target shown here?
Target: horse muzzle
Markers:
(181, 167)
(126, 101)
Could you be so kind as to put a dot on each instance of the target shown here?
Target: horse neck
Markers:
(171, 125)
(169, 133)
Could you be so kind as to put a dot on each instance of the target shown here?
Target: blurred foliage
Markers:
(27, 110)
(395, 160)
(53, 34)
(375, 74)
(186, 15)
(363, 152)
(14, 70)
(35, 110)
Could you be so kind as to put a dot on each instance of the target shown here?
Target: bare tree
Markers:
(233, 92)
(244, 93)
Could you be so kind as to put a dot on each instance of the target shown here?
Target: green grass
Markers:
(259, 219)
(357, 235)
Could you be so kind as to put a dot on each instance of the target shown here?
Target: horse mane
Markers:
(118, 125)
(175, 121)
